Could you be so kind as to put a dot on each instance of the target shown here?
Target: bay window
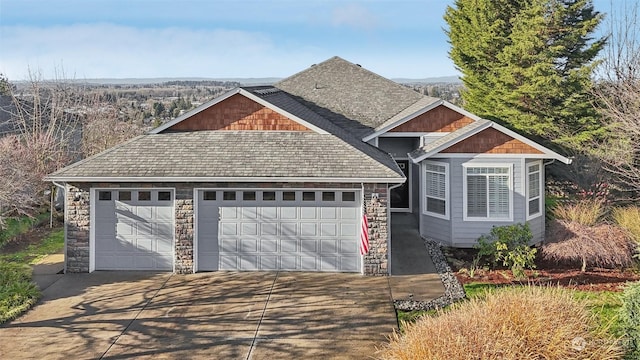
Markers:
(436, 189)
(534, 190)
(487, 193)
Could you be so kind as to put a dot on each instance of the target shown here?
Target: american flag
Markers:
(364, 235)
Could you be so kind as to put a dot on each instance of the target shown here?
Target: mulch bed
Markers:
(546, 273)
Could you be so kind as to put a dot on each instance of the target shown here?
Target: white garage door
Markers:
(134, 229)
(297, 230)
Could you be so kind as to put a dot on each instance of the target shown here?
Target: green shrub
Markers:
(630, 318)
(509, 245)
(525, 323)
(17, 292)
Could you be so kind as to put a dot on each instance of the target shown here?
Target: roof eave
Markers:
(147, 179)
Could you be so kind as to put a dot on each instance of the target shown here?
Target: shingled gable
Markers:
(485, 137)
(249, 112)
(427, 115)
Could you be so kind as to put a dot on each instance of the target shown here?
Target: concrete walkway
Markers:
(48, 270)
(413, 275)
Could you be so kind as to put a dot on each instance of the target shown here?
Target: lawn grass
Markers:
(604, 305)
(18, 292)
(51, 244)
(16, 226)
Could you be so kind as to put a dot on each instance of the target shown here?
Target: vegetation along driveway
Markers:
(221, 315)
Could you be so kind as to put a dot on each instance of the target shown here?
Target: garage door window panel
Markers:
(104, 195)
(124, 195)
(268, 196)
(229, 196)
(144, 195)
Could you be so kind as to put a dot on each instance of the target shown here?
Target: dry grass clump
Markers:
(603, 245)
(629, 219)
(517, 323)
(586, 212)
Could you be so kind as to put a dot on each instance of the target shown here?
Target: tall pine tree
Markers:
(528, 63)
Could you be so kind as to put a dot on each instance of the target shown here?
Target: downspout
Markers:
(63, 187)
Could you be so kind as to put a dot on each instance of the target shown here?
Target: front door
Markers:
(400, 196)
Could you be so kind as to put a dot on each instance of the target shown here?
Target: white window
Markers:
(436, 189)
(534, 190)
(487, 193)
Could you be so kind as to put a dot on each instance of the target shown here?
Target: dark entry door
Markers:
(400, 198)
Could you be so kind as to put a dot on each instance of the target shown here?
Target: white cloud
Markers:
(114, 51)
(355, 16)
(106, 50)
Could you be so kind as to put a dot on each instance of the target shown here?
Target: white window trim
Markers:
(447, 212)
(465, 217)
(410, 183)
(540, 187)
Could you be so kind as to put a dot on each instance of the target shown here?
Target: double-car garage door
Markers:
(295, 230)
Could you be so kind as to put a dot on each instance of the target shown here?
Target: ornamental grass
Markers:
(524, 323)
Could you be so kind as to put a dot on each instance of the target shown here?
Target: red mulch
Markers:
(546, 273)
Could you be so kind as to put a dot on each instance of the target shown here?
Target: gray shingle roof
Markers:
(295, 107)
(230, 155)
(358, 98)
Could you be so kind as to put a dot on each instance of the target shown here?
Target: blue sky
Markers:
(221, 38)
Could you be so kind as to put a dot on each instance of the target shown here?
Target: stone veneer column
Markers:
(376, 262)
(184, 230)
(77, 220)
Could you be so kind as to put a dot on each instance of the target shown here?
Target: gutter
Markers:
(64, 189)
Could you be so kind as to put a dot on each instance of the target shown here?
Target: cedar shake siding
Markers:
(491, 141)
(237, 113)
(440, 119)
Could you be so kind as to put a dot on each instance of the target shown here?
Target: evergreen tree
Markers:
(528, 63)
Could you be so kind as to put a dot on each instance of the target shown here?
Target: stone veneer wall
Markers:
(77, 220)
(184, 230)
(376, 262)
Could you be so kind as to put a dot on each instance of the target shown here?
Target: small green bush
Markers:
(509, 245)
(17, 292)
(630, 318)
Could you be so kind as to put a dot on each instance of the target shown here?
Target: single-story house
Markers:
(300, 176)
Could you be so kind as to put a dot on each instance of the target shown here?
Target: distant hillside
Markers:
(431, 80)
(242, 81)
(148, 81)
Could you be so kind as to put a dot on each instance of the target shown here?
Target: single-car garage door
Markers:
(134, 229)
(296, 230)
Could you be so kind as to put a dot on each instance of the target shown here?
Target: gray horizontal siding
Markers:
(436, 229)
(466, 233)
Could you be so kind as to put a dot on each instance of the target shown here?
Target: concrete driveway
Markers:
(221, 315)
